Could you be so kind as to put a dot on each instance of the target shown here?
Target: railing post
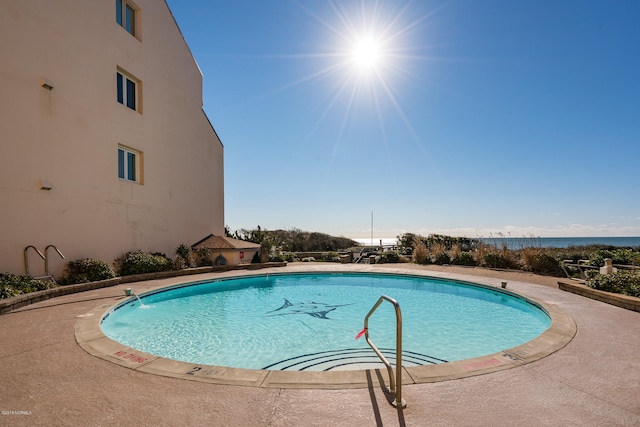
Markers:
(398, 402)
(394, 386)
(26, 257)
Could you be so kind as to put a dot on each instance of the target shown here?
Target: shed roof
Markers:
(221, 242)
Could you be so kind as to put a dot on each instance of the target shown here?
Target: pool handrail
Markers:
(395, 387)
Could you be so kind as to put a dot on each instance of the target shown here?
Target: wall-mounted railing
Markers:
(45, 257)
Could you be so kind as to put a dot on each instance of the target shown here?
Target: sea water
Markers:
(542, 242)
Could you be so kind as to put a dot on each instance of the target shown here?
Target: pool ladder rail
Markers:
(395, 387)
(45, 257)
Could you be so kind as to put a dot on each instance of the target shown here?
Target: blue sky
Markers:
(474, 118)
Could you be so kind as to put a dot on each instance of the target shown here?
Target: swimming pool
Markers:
(309, 321)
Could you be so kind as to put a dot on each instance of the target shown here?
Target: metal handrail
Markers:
(580, 264)
(45, 257)
(26, 258)
(394, 386)
(46, 260)
(583, 264)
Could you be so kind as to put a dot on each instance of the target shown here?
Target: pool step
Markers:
(350, 359)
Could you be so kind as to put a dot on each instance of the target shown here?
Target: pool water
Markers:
(301, 321)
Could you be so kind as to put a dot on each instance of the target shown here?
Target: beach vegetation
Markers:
(139, 262)
(329, 257)
(495, 259)
(390, 257)
(618, 256)
(203, 257)
(12, 285)
(526, 255)
(463, 258)
(295, 240)
(183, 257)
(86, 270)
(283, 256)
(420, 254)
(626, 282)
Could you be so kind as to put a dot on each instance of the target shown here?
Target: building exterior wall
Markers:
(67, 137)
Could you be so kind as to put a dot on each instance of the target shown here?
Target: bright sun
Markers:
(366, 54)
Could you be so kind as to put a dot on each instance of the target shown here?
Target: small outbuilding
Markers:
(227, 250)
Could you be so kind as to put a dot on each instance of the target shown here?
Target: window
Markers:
(127, 88)
(126, 16)
(129, 164)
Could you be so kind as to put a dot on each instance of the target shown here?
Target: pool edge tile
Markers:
(204, 373)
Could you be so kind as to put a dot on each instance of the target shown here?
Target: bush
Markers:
(389, 257)
(143, 262)
(464, 258)
(7, 291)
(183, 257)
(279, 257)
(619, 256)
(12, 285)
(544, 263)
(265, 250)
(438, 253)
(86, 270)
(283, 256)
(622, 282)
(203, 257)
(420, 253)
(496, 260)
(441, 258)
(330, 257)
(290, 257)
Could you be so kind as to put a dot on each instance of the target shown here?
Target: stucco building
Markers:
(105, 145)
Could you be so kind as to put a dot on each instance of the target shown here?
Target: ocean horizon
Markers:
(521, 242)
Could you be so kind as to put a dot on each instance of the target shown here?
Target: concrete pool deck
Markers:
(48, 379)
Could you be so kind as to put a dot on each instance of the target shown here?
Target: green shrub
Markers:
(7, 291)
(282, 257)
(619, 256)
(420, 253)
(389, 257)
(441, 258)
(143, 262)
(496, 260)
(290, 257)
(86, 270)
(464, 258)
(544, 263)
(330, 257)
(183, 257)
(265, 250)
(11, 285)
(203, 257)
(622, 282)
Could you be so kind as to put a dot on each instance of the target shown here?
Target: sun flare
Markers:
(367, 49)
(366, 54)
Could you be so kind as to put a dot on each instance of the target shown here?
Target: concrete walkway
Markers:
(46, 378)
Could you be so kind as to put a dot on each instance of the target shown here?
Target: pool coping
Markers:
(89, 337)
